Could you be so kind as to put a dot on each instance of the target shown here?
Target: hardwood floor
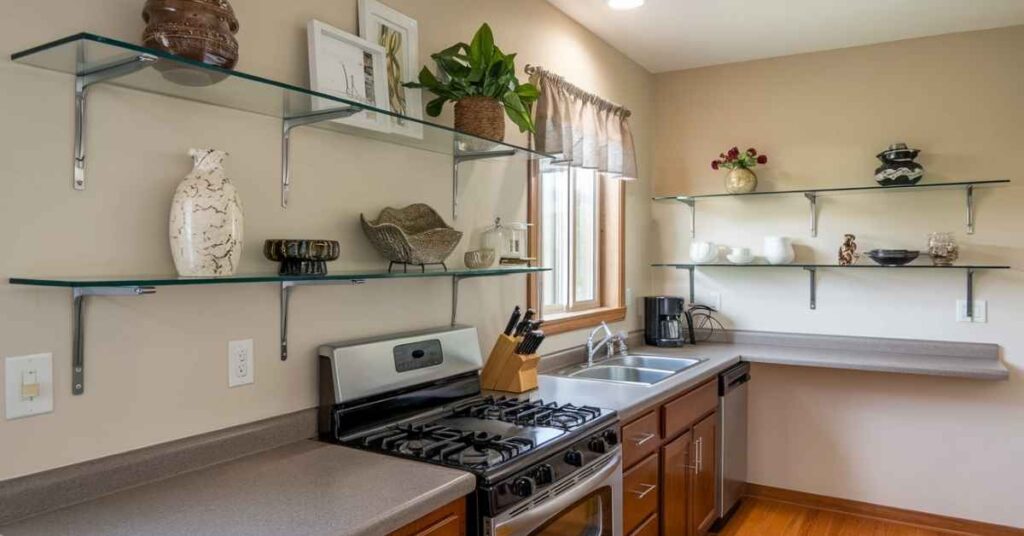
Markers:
(761, 517)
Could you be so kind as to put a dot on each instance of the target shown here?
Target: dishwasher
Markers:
(732, 441)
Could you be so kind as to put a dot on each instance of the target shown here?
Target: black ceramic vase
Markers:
(898, 167)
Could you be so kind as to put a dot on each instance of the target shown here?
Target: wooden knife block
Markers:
(508, 371)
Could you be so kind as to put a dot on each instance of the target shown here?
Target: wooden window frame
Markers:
(611, 264)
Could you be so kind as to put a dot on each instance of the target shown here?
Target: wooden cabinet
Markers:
(639, 493)
(677, 440)
(705, 449)
(449, 520)
(647, 528)
(640, 439)
(676, 469)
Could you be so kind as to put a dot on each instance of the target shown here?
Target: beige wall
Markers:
(156, 365)
(947, 446)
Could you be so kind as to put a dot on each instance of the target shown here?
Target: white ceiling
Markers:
(668, 35)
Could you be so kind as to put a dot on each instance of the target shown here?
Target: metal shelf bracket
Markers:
(78, 296)
(286, 292)
(290, 124)
(970, 294)
(813, 198)
(813, 273)
(693, 286)
(459, 157)
(693, 215)
(83, 81)
(970, 217)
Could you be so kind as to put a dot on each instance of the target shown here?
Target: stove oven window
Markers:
(591, 516)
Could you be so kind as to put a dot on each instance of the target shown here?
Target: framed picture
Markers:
(346, 66)
(399, 35)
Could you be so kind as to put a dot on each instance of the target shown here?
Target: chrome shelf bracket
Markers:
(813, 273)
(286, 292)
(292, 123)
(813, 198)
(83, 81)
(459, 157)
(78, 296)
(693, 286)
(970, 294)
(970, 217)
(693, 215)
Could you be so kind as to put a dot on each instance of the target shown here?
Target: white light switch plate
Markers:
(980, 311)
(240, 363)
(29, 369)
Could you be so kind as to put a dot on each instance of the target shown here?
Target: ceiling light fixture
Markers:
(622, 5)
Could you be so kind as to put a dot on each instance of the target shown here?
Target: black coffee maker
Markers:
(667, 322)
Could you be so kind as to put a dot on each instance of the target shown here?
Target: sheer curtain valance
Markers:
(583, 129)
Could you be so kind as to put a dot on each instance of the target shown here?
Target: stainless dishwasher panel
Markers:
(732, 468)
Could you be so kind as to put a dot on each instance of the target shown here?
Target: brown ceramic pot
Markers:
(199, 30)
(483, 117)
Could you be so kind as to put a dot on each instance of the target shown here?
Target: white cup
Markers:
(703, 252)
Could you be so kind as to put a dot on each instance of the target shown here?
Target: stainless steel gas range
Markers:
(541, 468)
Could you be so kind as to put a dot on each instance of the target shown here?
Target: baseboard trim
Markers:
(924, 520)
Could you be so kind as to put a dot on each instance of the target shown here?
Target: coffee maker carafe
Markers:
(667, 322)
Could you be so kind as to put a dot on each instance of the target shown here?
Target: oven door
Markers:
(589, 505)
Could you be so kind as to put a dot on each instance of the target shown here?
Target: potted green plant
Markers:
(481, 80)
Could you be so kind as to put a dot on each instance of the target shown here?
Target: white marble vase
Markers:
(206, 219)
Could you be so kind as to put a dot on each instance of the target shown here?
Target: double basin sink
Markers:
(637, 369)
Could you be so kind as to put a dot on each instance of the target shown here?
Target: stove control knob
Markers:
(610, 437)
(523, 486)
(574, 457)
(544, 474)
(598, 445)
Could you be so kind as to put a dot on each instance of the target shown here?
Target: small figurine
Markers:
(848, 251)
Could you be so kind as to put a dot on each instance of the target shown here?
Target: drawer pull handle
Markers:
(643, 438)
(641, 494)
(700, 455)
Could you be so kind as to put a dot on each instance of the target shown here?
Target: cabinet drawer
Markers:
(640, 438)
(681, 413)
(640, 493)
(647, 528)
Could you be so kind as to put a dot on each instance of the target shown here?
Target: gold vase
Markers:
(740, 181)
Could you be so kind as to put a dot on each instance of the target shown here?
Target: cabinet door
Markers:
(676, 467)
(705, 477)
(449, 520)
(648, 528)
(639, 493)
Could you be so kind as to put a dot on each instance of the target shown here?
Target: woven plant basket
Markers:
(483, 117)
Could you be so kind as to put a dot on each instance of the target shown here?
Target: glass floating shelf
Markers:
(849, 189)
(813, 194)
(812, 269)
(94, 59)
(171, 281)
(84, 287)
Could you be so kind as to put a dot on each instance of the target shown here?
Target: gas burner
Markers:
(487, 450)
(531, 413)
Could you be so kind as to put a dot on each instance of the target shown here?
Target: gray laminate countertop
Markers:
(305, 488)
(630, 399)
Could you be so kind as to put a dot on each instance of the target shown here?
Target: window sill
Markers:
(566, 322)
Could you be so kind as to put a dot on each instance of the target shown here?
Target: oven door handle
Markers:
(535, 517)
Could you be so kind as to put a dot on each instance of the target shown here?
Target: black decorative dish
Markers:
(893, 257)
(302, 257)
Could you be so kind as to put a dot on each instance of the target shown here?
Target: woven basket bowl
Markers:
(415, 234)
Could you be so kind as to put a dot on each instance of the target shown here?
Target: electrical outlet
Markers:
(240, 363)
(980, 315)
(28, 385)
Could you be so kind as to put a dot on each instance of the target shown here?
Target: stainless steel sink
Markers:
(671, 364)
(622, 374)
(637, 369)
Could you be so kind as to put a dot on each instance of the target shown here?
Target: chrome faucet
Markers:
(608, 342)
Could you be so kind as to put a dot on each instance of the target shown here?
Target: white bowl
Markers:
(703, 252)
(740, 257)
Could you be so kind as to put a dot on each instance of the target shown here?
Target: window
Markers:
(577, 217)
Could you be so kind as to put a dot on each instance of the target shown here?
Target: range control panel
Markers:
(417, 355)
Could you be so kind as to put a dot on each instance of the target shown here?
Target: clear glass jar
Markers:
(507, 240)
(943, 249)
